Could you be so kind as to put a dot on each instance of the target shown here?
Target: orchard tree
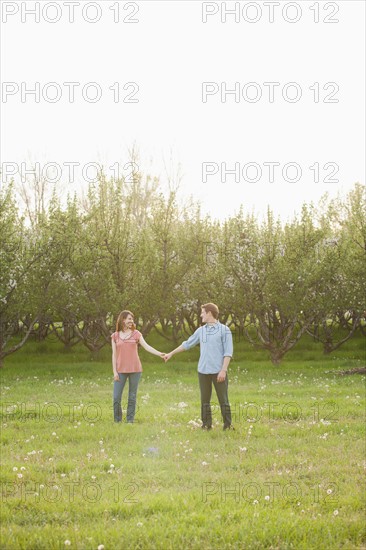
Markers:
(171, 251)
(341, 303)
(20, 302)
(273, 281)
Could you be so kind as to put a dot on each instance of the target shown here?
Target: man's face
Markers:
(205, 316)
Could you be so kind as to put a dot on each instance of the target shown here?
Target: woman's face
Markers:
(128, 322)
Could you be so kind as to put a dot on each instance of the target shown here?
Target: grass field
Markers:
(291, 475)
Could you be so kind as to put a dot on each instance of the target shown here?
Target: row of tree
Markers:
(68, 269)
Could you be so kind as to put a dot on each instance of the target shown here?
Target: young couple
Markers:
(216, 350)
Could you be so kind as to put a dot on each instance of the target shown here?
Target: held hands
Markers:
(165, 356)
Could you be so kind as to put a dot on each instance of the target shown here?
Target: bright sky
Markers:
(181, 67)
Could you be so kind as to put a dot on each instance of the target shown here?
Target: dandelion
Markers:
(267, 497)
(111, 466)
(139, 524)
(67, 543)
(243, 449)
(20, 475)
(325, 422)
(335, 513)
(255, 501)
(15, 469)
(329, 491)
(204, 463)
(101, 547)
(54, 433)
(194, 424)
(93, 477)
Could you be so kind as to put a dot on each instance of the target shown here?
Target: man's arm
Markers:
(179, 349)
(188, 344)
(225, 365)
(228, 352)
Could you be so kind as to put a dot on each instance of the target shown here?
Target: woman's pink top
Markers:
(127, 358)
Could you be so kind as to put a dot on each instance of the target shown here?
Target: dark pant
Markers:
(206, 381)
(133, 381)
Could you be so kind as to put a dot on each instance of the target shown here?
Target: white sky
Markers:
(169, 53)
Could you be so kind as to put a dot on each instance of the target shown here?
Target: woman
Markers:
(126, 363)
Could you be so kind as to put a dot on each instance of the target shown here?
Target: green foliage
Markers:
(72, 268)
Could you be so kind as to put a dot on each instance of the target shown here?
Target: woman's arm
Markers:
(149, 348)
(114, 361)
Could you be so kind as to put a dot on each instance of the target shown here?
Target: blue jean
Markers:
(133, 382)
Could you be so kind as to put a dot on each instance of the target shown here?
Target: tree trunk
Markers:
(276, 356)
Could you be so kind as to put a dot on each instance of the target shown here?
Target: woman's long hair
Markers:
(121, 317)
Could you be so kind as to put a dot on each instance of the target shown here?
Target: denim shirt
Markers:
(216, 342)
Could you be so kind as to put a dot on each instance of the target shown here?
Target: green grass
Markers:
(299, 440)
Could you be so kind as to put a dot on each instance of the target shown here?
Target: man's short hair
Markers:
(211, 307)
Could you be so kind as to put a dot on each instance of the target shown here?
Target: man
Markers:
(216, 350)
